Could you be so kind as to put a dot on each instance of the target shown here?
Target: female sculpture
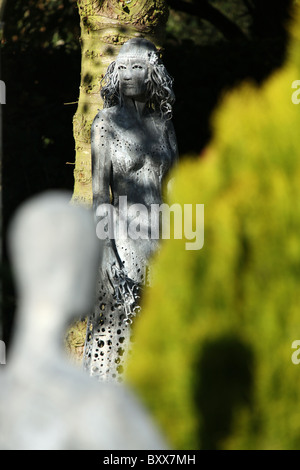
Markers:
(133, 148)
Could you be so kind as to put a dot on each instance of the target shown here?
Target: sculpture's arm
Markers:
(101, 136)
(174, 150)
(173, 142)
(101, 162)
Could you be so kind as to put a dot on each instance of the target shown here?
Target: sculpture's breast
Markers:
(136, 150)
(140, 155)
(131, 157)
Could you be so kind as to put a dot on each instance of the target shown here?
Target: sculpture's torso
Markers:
(141, 157)
(139, 154)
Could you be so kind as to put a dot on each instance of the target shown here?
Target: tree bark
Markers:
(105, 26)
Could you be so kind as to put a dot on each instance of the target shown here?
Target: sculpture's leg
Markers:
(108, 337)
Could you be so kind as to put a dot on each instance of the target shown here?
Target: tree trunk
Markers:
(105, 26)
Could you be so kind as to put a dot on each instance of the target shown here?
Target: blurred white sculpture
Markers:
(45, 401)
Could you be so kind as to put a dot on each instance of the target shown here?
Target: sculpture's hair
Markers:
(160, 95)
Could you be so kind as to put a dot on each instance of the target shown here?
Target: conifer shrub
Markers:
(212, 357)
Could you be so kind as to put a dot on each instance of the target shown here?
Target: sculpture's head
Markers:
(139, 73)
(132, 67)
(137, 48)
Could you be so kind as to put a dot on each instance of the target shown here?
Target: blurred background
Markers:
(205, 51)
(210, 48)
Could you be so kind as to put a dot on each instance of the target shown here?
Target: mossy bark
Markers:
(105, 26)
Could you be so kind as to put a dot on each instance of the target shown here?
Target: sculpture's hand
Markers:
(127, 292)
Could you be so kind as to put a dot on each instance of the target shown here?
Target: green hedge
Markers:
(213, 347)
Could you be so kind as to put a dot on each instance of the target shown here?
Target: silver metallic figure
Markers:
(133, 149)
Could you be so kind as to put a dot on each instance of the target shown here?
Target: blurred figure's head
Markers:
(54, 253)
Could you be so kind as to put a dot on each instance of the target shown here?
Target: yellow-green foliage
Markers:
(212, 355)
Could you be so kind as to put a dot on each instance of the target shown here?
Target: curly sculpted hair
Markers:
(160, 95)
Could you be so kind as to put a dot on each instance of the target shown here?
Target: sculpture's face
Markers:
(133, 74)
